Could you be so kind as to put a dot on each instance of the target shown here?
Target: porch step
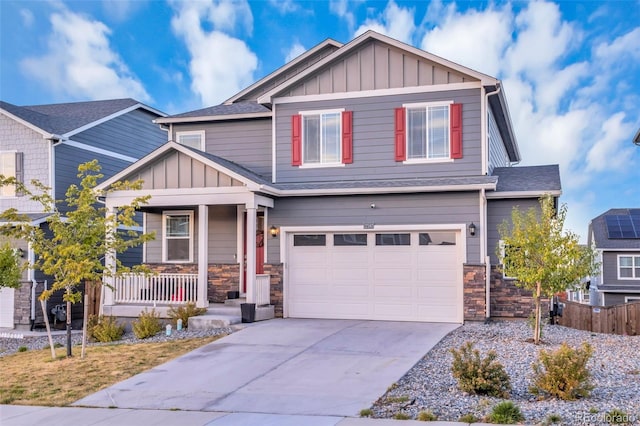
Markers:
(206, 322)
(235, 302)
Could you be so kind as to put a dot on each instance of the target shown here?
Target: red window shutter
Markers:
(400, 135)
(455, 123)
(296, 140)
(347, 137)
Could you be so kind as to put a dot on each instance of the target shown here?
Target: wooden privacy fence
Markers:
(93, 289)
(619, 319)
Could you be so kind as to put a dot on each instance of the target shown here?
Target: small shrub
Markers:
(401, 416)
(506, 413)
(427, 416)
(22, 349)
(563, 373)
(553, 418)
(366, 412)
(469, 418)
(184, 312)
(482, 376)
(397, 399)
(593, 410)
(147, 324)
(104, 328)
(617, 417)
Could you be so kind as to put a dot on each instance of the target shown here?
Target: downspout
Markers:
(31, 277)
(485, 130)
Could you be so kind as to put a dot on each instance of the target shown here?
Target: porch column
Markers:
(110, 270)
(203, 255)
(251, 254)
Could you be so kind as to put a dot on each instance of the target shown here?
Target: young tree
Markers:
(10, 270)
(76, 243)
(542, 257)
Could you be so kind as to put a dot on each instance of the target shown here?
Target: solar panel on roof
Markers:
(623, 226)
(634, 212)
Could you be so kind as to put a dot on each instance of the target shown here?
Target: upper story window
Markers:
(10, 166)
(628, 267)
(428, 132)
(193, 139)
(321, 138)
(177, 236)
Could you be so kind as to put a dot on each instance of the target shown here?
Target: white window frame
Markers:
(339, 163)
(635, 263)
(628, 299)
(426, 159)
(169, 213)
(8, 191)
(200, 133)
(501, 244)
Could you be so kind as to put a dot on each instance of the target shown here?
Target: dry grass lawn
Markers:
(33, 378)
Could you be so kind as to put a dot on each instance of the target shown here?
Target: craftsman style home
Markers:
(47, 143)
(363, 180)
(615, 235)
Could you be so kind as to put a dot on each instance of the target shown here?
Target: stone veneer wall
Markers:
(276, 287)
(508, 300)
(22, 305)
(474, 292)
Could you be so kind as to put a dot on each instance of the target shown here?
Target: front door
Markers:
(259, 249)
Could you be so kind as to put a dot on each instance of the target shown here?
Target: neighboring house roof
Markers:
(67, 119)
(220, 112)
(527, 180)
(599, 236)
(636, 139)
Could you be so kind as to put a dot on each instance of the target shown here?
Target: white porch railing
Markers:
(161, 288)
(263, 289)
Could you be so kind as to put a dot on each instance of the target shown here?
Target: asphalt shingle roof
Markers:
(528, 178)
(63, 118)
(391, 183)
(223, 109)
(598, 228)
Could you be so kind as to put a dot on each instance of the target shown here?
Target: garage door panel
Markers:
(350, 291)
(386, 275)
(357, 274)
(309, 274)
(394, 291)
(437, 294)
(436, 313)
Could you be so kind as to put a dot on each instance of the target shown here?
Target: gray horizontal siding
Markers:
(610, 269)
(222, 235)
(132, 134)
(611, 299)
(400, 209)
(373, 139)
(499, 211)
(498, 156)
(246, 142)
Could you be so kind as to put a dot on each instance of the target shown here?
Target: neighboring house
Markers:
(363, 180)
(47, 143)
(615, 235)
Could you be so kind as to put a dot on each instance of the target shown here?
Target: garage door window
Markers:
(393, 239)
(309, 240)
(350, 240)
(437, 238)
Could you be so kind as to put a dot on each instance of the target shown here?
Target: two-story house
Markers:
(615, 235)
(360, 180)
(47, 143)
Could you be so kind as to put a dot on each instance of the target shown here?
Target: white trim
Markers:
(423, 107)
(240, 208)
(504, 275)
(166, 213)
(221, 117)
(382, 190)
(484, 132)
(428, 160)
(522, 194)
(200, 133)
(320, 113)
(320, 165)
(100, 151)
(418, 105)
(144, 231)
(44, 133)
(273, 148)
(633, 276)
(111, 117)
(628, 299)
(376, 92)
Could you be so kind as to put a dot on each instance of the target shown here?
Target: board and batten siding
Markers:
(132, 134)
(610, 269)
(222, 239)
(498, 156)
(245, 142)
(499, 211)
(16, 137)
(392, 209)
(373, 139)
(375, 65)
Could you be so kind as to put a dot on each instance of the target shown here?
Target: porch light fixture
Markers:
(472, 229)
(273, 231)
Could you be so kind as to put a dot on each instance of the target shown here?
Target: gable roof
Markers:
(599, 236)
(67, 119)
(243, 109)
(529, 181)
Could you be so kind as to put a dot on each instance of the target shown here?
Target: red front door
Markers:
(259, 249)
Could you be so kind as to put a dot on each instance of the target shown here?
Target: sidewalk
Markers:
(16, 415)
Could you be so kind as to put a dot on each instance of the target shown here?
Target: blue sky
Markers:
(571, 69)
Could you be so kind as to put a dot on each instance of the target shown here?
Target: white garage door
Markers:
(398, 276)
(6, 307)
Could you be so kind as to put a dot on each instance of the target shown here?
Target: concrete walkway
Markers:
(282, 367)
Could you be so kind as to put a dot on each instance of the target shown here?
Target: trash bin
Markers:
(248, 311)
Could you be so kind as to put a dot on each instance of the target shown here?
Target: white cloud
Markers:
(221, 65)
(80, 62)
(296, 50)
(396, 22)
(27, 17)
(625, 47)
(284, 6)
(608, 151)
(341, 8)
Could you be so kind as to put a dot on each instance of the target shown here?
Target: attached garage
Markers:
(396, 275)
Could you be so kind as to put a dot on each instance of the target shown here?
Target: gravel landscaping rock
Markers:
(430, 385)
(10, 345)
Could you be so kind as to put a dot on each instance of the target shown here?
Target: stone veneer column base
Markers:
(509, 300)
(474, 292)
(277, 300)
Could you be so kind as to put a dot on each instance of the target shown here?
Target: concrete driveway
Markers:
(283, 366)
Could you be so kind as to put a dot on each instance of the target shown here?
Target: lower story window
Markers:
(177, 238)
